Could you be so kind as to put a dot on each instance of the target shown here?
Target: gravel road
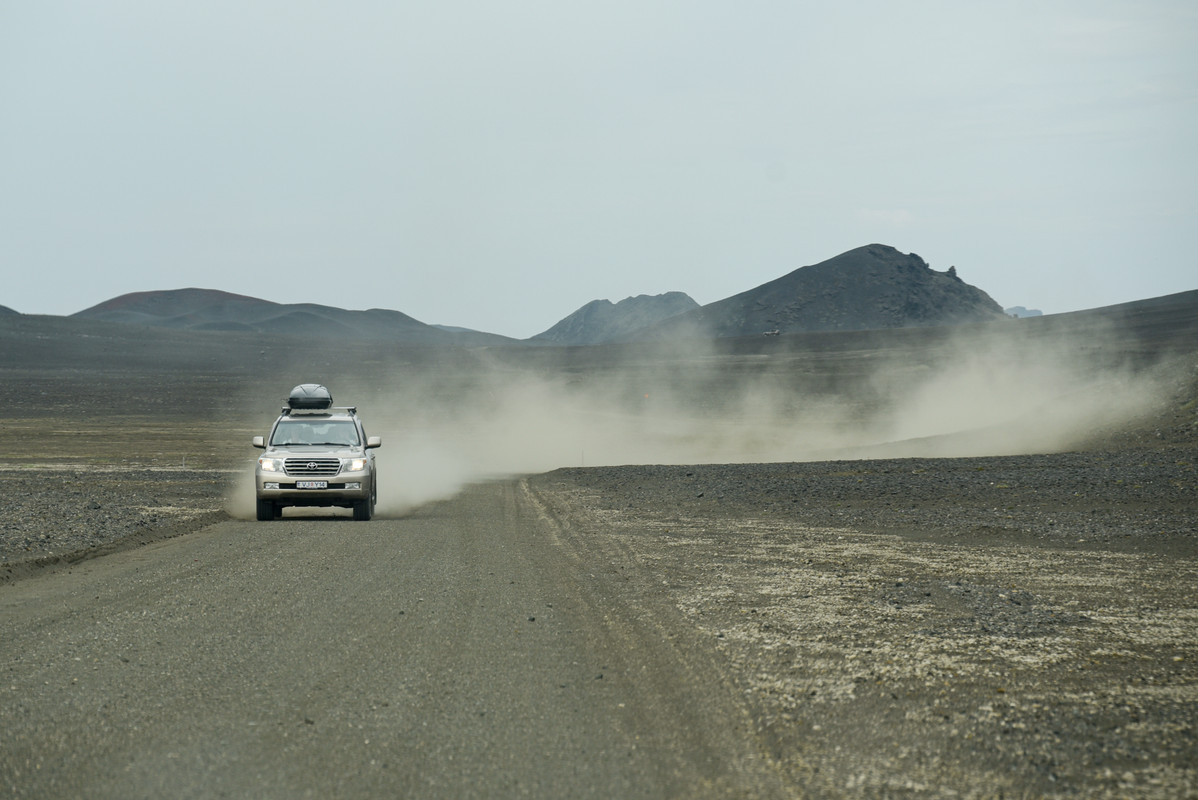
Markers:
(1016, 626)
(456, 653)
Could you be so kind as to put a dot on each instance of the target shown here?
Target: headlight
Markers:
(270, 464)
(354, 464)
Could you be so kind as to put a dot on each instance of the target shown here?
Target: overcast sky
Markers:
(497, 165)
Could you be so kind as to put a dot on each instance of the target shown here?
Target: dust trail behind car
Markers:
(972, 390)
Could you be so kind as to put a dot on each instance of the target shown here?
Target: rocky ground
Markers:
(1001, 626)
(55, 514)
(1021, 626)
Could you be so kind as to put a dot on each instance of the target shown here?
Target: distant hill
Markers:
(212, 310)
(5, 310)
(1021, 312)
(870, 287)
(602, 321)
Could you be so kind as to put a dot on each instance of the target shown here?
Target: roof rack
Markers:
(288, 411)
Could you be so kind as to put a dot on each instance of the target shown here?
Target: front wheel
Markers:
(363, 510)
(267, 510)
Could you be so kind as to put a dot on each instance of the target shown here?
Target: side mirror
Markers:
(373, 441)
(259, 442)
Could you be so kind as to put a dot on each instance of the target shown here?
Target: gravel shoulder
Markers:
(65, 513)
(1020, 627)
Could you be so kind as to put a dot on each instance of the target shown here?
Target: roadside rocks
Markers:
(1014, 626)
(1133, 499)
(53, 514)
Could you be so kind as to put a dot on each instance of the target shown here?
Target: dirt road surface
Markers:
(466, 651)
(788, 630)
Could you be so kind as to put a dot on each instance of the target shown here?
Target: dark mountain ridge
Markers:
(871, 287)
(214, 310)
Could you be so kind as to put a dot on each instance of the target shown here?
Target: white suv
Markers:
(316, 455)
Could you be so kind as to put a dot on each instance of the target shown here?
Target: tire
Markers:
(267, 510)
(363, 510)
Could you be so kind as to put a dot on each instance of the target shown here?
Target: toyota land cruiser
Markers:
(316, 455)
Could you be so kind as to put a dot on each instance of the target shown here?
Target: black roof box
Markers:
(310, 396)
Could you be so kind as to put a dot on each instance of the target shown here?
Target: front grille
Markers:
(305, 467)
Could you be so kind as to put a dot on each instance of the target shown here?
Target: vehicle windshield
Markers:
(322, 432)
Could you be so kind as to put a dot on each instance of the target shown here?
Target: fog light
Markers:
(270, 486)
(353, 486)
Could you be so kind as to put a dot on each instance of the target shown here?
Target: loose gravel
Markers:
(975, 627)
(1135, 499)
(1019, 626)
(54, 514)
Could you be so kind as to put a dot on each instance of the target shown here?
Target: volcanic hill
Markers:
(870, 287)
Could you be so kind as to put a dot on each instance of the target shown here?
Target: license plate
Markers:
(311, 484)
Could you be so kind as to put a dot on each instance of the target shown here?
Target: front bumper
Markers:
(343, 489)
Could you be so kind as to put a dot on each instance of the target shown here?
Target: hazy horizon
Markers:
(1016, 310)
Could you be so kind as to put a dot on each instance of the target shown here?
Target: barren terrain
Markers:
(895, 607)
(1035, 637)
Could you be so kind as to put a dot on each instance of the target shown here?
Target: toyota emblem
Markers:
(312, 466)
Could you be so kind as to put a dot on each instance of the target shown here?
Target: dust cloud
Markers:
(239, 496)
(971, 395)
